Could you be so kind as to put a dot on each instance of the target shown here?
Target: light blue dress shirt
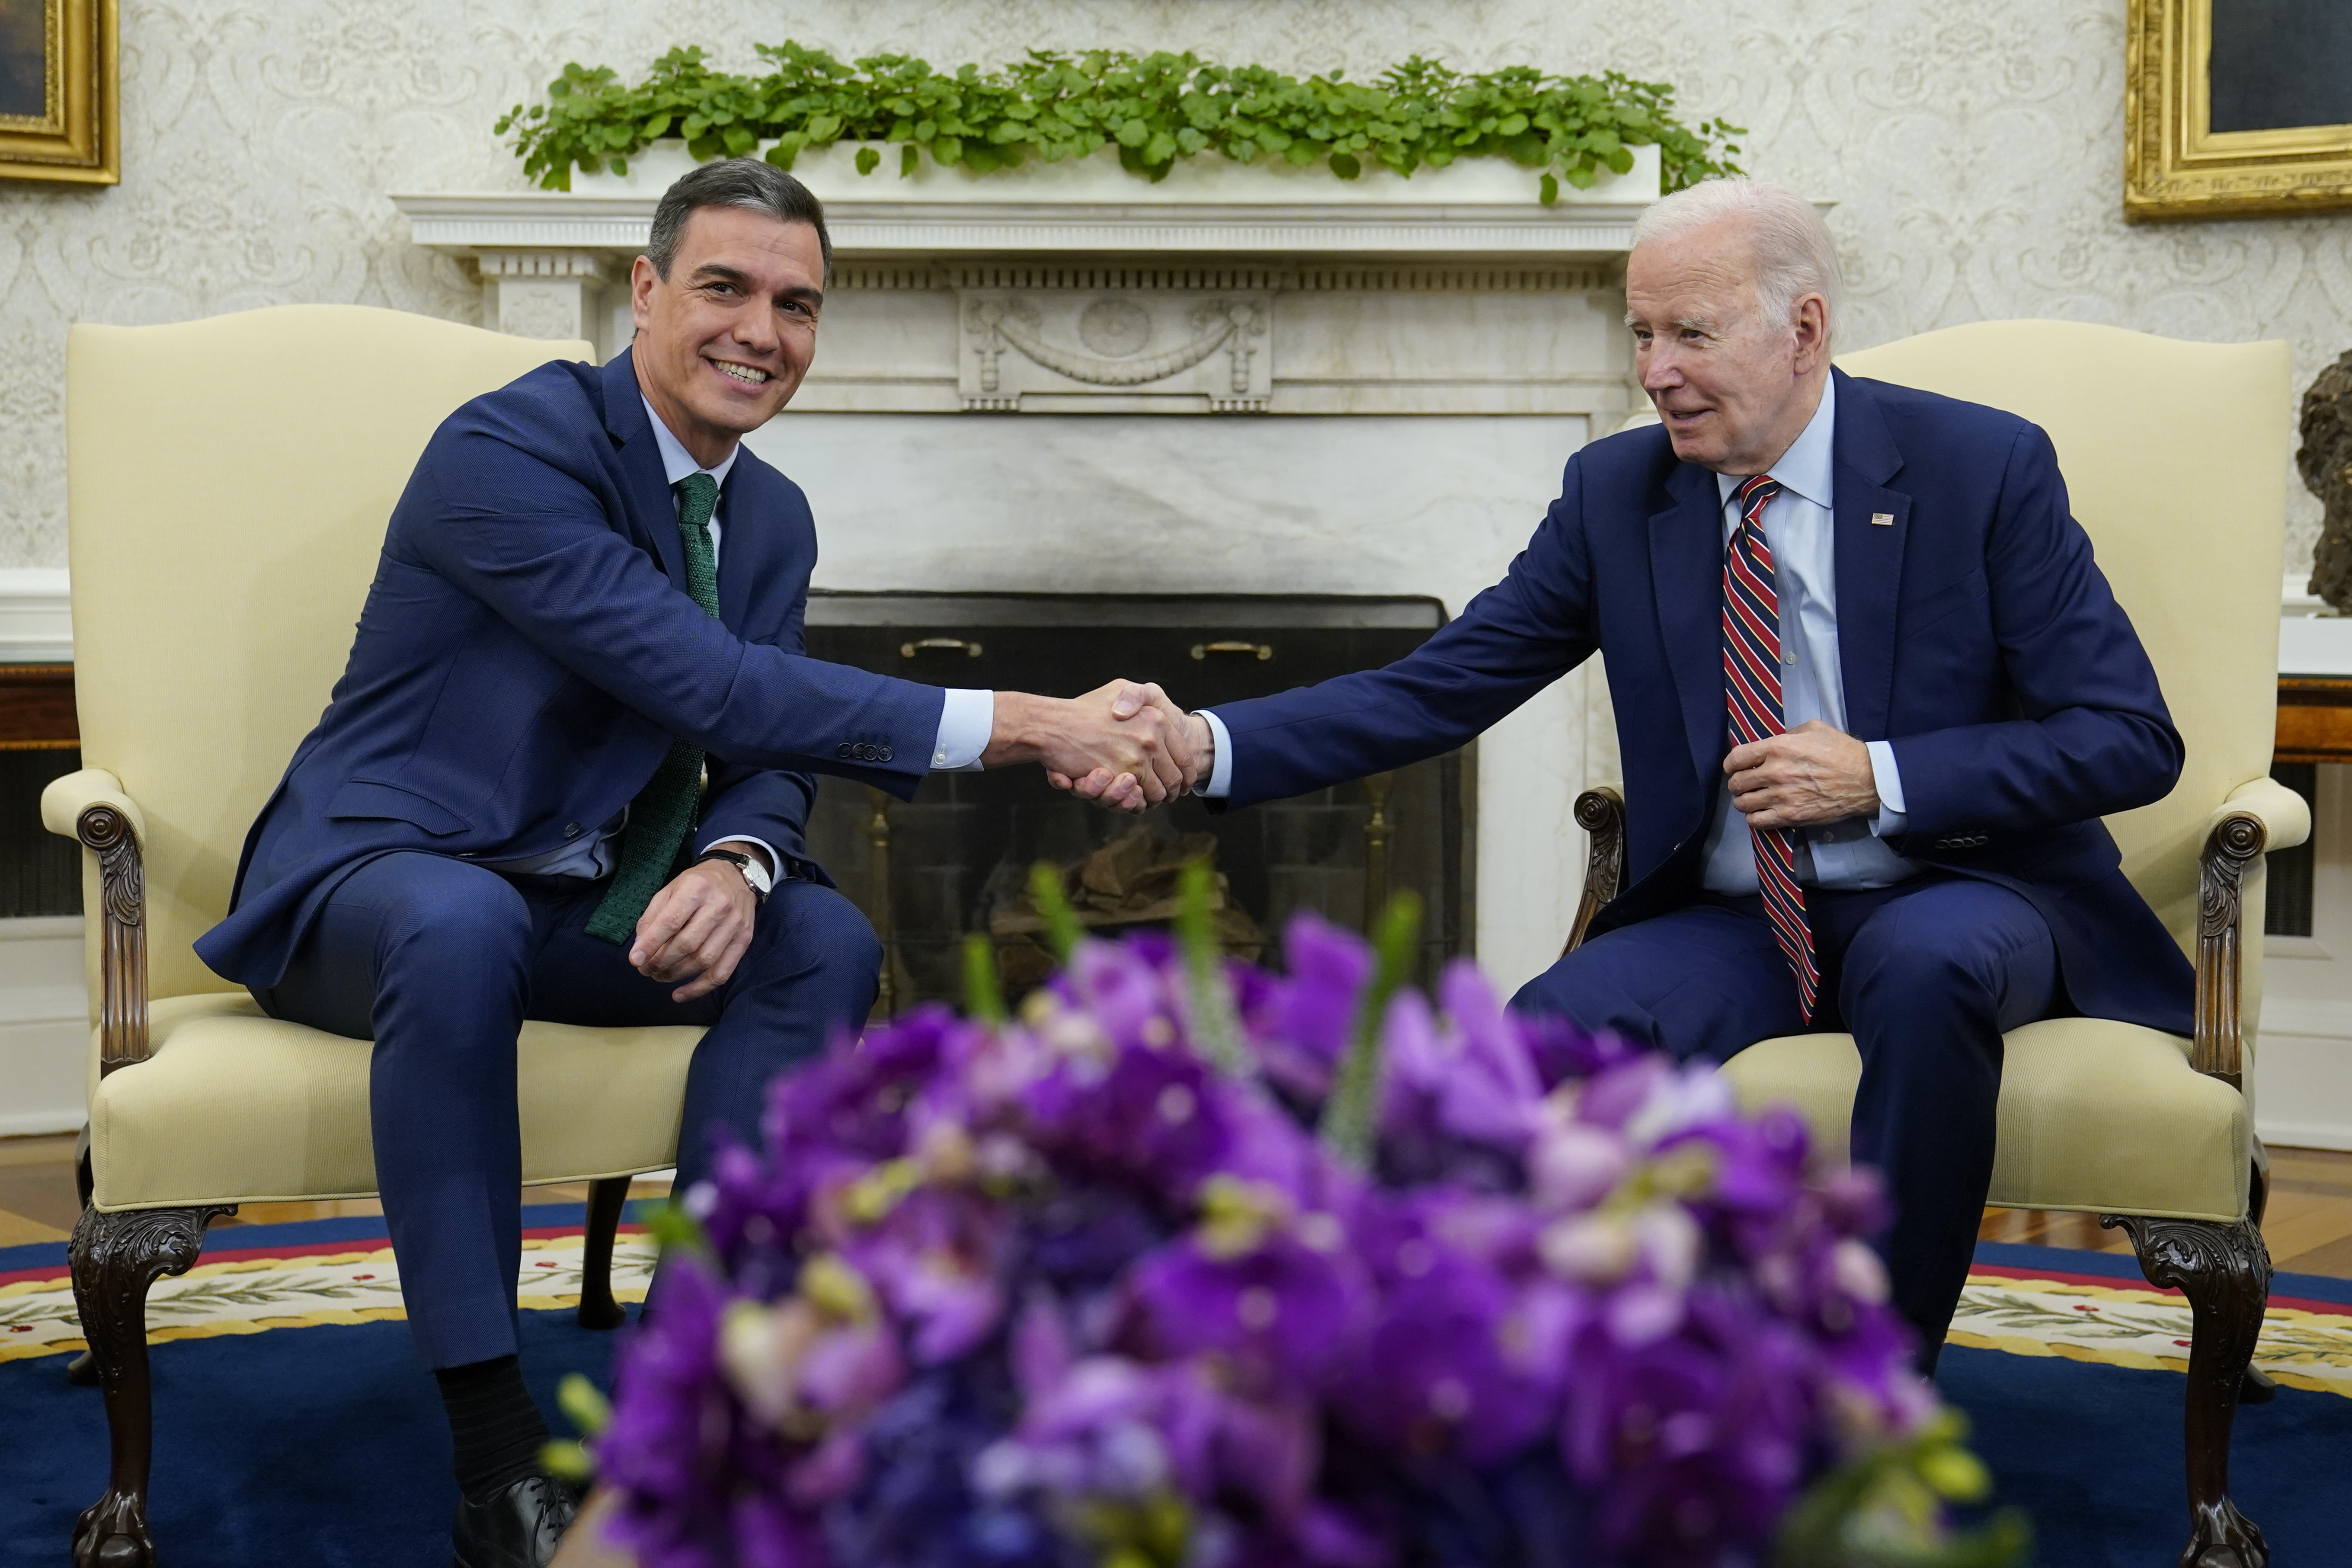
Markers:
(965, 722)
(1798, 525)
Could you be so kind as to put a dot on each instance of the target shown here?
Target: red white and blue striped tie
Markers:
(1752, 683)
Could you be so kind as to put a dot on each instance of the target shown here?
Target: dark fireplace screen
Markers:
(956, 860)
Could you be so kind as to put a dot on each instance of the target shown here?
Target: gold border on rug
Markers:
(77, 138)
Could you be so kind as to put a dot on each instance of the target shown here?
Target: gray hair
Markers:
(748, 182)
(1794, 254)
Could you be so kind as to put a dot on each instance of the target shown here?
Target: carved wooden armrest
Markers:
(1601, 814)
(2259, 816)
(90, 807)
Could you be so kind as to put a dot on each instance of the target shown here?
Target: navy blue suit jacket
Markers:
(1976, 633)
(529, 649)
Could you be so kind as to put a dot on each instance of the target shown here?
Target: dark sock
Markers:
(497, 1429)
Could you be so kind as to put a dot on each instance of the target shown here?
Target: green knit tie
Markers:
(664, 812)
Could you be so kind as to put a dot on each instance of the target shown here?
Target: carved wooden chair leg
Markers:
(2225, 1272)
(115, 1258)
(82, 1371)
(605, 1200)
(2258, 1388)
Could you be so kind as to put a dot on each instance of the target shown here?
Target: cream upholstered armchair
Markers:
(2174, 454)
(229, 482)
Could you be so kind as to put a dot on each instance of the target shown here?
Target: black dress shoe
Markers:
(517, 1529)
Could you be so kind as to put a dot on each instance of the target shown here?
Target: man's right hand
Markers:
(1123, 744)
(1098, 786)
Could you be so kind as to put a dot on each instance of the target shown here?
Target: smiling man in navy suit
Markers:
(1873, 697)
(590, 596)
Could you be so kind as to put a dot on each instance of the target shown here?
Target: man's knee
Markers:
(461, 910)
(1587, 988)
(809, 928)
(1564, 990)
(1972, 949)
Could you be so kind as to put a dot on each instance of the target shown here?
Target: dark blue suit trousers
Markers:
(439, 963)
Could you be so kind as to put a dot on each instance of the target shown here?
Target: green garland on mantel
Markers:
(1155, 108)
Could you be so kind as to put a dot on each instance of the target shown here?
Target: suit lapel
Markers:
(1686, 576)
(1869, 555)
(632, 430)
(742, 552)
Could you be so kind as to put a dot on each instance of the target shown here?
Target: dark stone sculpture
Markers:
(2326, 462)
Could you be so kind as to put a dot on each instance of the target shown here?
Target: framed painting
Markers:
(58, 79)
(2237, 107)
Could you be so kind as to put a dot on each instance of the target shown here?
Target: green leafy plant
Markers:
(1155, 108)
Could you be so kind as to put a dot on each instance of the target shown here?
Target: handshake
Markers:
(1124, 745)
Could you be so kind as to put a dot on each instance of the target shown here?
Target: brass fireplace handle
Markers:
(1202, 650)
(945, 644)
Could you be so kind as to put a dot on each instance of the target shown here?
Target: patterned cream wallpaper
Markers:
(1974, 152)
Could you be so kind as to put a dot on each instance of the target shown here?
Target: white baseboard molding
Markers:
(44, 1025)
(44, 1066)
(2307, 1019)
(35, 616)
(2302, 1065)
(2305, 1135)
(38, 1123)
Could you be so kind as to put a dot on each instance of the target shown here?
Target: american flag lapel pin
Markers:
(1882, 519)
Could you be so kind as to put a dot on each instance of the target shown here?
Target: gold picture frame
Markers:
(58, 78)
(2177, 166)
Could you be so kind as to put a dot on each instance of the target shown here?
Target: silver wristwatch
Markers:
(755, 876)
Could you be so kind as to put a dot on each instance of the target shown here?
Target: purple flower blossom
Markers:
(1066, 1291)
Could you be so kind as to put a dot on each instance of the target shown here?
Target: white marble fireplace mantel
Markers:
(998, 290)
(1235, 381)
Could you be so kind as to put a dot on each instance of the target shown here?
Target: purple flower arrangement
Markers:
(1191, 1265)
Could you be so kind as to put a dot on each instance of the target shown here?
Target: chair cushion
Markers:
(2097, 1116)
(234, 1106)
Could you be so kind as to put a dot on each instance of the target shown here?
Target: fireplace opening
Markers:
(956, 859)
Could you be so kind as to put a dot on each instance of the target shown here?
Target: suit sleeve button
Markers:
(845, 751)
(881, 753)
(571, 830)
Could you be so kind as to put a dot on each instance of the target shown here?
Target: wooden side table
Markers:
(2314, 719)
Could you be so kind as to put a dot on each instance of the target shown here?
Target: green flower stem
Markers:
(1063, 932)
(1351, 1121)
(1154, 108)
(1216, 1030)
(984, 994)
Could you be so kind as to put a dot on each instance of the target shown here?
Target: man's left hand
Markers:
(1812, 774)
(696, 929)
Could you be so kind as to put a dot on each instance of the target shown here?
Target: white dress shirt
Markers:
(965, 723)
(1798, 526)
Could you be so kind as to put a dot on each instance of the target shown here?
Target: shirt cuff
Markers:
(967, 720)
(775, 862)
(1220, 771)
(1893, 814)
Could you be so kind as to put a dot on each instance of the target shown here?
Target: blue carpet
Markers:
(318, 1446)
(2093, 1454)
(325, 1446)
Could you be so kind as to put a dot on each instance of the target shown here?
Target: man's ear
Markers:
(642, 278)
(1811, 331)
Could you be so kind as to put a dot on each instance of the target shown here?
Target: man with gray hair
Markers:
(565, 776)
(1873, 697)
